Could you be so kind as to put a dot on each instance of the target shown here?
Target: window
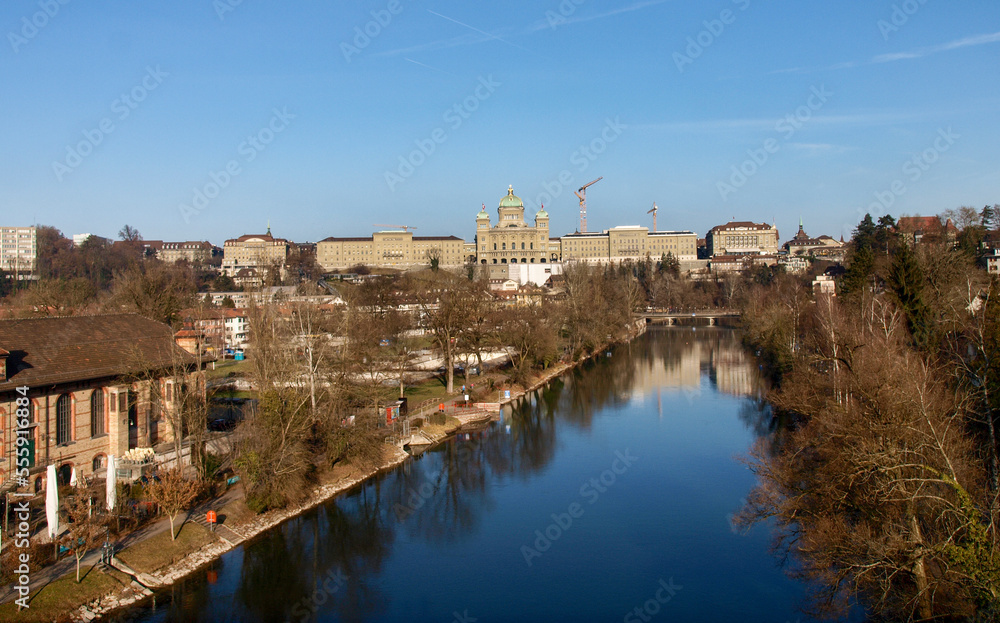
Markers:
(63, 407)
(97, 413)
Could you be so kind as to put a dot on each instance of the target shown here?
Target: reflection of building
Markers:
(18, 251)
(83, 403)
(732, 370)
(681, 357)
(390, 249)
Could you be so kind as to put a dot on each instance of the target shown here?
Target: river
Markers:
(606, 496)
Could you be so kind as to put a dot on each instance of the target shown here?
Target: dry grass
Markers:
(159, 551)
(450, 426)
(55, 601)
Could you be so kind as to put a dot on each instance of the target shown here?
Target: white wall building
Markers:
(18, 251)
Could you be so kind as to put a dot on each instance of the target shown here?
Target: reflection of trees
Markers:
(446, 490)
(598, 384)
(348, 538)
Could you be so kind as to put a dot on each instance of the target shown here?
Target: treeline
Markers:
(885, 488)
(322, 376)
(104, 276)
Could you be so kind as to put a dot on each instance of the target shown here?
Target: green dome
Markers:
(542, 213)
(483, 214)
(511, 200)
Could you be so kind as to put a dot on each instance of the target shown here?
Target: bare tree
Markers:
(83, 527)
(173, 493)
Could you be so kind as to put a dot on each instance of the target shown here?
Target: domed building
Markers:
(512, 240)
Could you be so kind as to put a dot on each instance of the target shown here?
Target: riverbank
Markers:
(638, 328)
(144, 584)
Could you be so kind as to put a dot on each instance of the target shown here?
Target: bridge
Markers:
(713, 316)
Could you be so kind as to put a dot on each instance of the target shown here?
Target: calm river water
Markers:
(607, 496)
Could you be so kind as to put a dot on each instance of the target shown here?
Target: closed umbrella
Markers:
(111, 491)
(72, 479)
(52, 501)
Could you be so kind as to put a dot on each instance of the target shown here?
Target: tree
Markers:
(434, 255)
(129, 234)
(173, 493)
(444, 316)
(83, 529)
(906, 281)
(529, 338)
(228, 303)
(877, 491)
(153, 290)
(988, 217)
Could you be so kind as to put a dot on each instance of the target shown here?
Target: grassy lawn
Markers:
(450, 426)
(55, 601)
(224, 367)
(235, 513)
(435, 388)
(159, 551)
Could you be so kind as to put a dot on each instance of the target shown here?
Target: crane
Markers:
(403, 227)
(582, 194)
(653, 212)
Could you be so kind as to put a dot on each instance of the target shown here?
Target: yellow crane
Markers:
(653, 212)
(582, 194)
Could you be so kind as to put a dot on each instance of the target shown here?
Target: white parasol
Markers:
(52, 501)
(112, 492)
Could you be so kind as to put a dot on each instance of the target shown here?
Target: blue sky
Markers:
(714, 110)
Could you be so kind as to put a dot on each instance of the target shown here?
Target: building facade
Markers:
(193, 252)
(635, 243)
(512, 240)
(83, 386)
(823, 246)
(257, 251)
(742, 238)
(18, 251)
(390, 249)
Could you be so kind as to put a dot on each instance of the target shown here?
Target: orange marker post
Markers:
(212, 518)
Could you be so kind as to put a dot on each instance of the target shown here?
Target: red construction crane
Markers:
(582, 194)
(653, 212)
(403, 227)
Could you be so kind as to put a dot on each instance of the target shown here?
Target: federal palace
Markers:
(510, 241)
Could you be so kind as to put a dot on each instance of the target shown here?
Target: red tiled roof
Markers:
(49, 351)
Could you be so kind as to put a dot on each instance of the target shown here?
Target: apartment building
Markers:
(19, 251)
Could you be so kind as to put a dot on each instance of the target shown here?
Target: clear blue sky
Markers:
(533, 81)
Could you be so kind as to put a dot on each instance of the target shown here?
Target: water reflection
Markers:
(381, 552)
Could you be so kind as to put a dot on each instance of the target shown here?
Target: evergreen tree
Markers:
(859, 273)
(865, 233)
(906, 281)
(988, 217)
